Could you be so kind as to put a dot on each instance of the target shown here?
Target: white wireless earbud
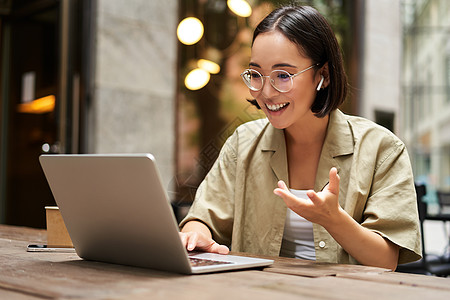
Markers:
(320, 83)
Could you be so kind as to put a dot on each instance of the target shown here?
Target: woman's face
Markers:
(273, 51)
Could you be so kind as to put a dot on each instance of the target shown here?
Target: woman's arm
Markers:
(367, 247)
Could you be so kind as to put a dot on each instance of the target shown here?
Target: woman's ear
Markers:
(320, 83)
(324, 71)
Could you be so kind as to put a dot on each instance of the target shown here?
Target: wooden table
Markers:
(26, 275)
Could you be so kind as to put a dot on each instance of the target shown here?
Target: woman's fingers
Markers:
(189, 240)
(333, 185)
(183, 238)
(282, 185)
(289, 198)
(192, 241)
(221, 249)
(320, 206)
(197, 241)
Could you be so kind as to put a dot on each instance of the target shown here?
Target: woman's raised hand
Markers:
(321, 207)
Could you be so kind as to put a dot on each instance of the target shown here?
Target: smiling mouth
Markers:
(276, 107)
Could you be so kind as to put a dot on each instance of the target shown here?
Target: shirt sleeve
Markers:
(391, 209)
(214, 200)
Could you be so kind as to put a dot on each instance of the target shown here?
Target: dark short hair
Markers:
(306, 27)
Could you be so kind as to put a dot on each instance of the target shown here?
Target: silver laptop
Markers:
(117, 211)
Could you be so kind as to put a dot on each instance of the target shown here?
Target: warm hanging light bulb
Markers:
(208, 65)
(38, 106)
(190, 31)
(196, 79)
(240, 7)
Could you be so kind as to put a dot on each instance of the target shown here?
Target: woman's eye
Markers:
(283, 75)
(255, 75)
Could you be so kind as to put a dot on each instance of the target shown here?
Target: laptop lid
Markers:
(116, 210)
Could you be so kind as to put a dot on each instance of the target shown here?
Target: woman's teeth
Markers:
(276, 107)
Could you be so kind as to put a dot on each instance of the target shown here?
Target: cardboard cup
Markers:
(57, 235)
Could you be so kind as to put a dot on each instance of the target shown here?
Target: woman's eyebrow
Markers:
(284, 65)
(252, 64)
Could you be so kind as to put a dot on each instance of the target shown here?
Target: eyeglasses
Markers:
(280, 80)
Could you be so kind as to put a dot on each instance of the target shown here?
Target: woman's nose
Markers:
(268, 90)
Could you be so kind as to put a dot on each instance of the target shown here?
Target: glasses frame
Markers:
(291, 76)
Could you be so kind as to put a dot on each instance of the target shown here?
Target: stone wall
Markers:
(381, 59)
(135, 80)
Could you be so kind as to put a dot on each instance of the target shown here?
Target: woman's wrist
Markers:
(336, 220)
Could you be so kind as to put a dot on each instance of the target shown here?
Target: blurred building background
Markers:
(110, 76)
(425, 97)
(425, 104)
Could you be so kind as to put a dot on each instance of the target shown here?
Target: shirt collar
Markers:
(339, 138)
(338, 142)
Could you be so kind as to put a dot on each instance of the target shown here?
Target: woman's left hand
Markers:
(366, 246)
(321, 208)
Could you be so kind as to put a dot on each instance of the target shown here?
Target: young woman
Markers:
(308, 181)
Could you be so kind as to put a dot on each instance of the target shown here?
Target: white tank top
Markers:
(298, 237)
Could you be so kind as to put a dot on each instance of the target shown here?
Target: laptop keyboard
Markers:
(198, 262)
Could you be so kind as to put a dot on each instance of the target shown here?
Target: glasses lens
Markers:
(281, 80)
(252, 79)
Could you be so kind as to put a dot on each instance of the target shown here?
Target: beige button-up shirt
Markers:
(236, 199)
